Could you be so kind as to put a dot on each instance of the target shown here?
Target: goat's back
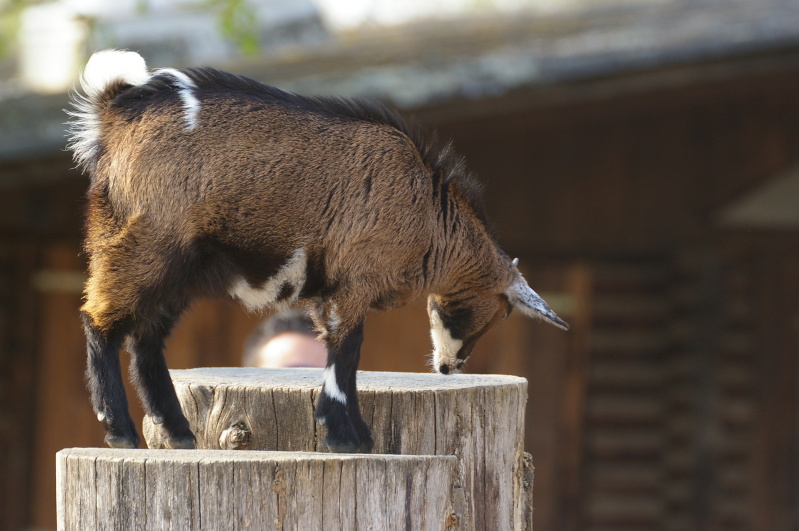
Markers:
(260, 171)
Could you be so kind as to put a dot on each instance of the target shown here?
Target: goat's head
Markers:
(458, 321)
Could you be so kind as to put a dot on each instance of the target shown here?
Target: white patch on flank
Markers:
(191, 105)
(445, 347)
(103, 68)
(256, 298)
(331, 386)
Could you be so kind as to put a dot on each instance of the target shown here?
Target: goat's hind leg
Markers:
(151, 377)
(104, 377)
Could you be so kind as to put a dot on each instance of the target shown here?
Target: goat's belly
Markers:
(282, 289)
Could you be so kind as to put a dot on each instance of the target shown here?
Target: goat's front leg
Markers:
(337, 408)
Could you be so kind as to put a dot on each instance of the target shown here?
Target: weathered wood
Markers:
(477, 418)
(207, 489)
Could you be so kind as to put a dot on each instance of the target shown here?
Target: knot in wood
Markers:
(236, 437)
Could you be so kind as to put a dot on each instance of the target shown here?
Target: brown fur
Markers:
(382, 215)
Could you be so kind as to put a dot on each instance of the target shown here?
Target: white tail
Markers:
(103, 68)
(109, 66)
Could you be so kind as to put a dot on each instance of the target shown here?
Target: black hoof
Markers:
(341, 437)
(366, 447)
(181, 443)
(364, 436)
(341, 447)
(122, 441)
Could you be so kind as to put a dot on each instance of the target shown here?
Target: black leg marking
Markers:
(151, 377)
(104, 377)
(337, 407)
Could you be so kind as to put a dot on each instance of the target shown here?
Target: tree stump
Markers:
(206, 489)
(479, 419)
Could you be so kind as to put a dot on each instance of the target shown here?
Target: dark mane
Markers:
(444, 163)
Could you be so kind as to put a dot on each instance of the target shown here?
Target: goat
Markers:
(204, 183)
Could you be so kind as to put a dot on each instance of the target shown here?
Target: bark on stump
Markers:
(112, 489)
(479, 419)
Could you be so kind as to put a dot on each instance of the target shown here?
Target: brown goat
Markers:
(208, 184)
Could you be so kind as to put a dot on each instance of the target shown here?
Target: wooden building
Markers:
(642, 164)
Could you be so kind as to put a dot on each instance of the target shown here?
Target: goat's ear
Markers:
(527, 301)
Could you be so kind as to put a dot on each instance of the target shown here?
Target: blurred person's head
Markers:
(286, 339)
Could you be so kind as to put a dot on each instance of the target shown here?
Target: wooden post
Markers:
(207, 489)
(479, 419)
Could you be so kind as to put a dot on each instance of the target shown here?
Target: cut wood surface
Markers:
(479, 419)
(101, 488)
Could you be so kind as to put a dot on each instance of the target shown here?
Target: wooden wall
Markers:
(672, 402)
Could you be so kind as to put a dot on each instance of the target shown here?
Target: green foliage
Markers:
(10, 11)
(238, 22)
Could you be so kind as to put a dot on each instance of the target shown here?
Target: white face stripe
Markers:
(292, 272)
(331, 385)
(446, 348)
(191, 105)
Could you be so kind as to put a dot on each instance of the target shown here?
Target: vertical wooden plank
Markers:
(119, 481)
(284, 477)
(330, 489)
(398, 495)
(382, 425)
(478, 457)
(109, 479)
(79, 480)
(433, 503)
(500, 478)
(133, 486)
(459, 433)
(305, 509)
(370, 507)
(61, 474)
(172, 493)
(254, 495)
(295, 421)
(348, 491)
(216, 493)
(416, 430)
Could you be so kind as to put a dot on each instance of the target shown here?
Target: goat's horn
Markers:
(522, 297)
